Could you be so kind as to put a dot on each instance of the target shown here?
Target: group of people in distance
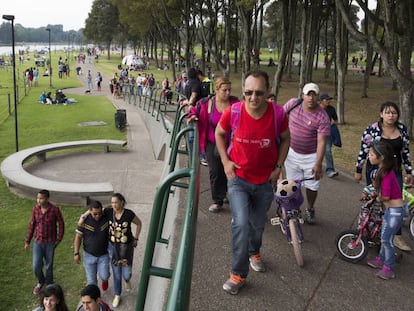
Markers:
(248, 143)
(60, 98)
(108, 240)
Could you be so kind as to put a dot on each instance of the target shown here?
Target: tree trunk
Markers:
(341, 38)
(292, 4)
(245, 39)
(286, 34)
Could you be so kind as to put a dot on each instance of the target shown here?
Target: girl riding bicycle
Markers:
(389, 193)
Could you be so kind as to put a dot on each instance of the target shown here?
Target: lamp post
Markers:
(11, 18)
(50, 60)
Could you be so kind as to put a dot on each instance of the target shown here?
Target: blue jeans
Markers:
(249, 204)
(139, 90)
(96, 265)
(391, 223)
(190, 143)
(119, 273)
(328, 156)
(398, 172)
(46, 251)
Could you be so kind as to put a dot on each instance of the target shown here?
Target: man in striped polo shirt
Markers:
(309, 128)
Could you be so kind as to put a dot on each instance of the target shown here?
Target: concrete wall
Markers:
(158, 287)
(159, 137)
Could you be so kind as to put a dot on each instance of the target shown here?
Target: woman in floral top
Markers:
(391, 130)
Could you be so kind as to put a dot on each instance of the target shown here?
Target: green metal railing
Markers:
(188, 178)
(155, 104)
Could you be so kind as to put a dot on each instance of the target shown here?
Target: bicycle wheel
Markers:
(294, 235)
(347, 249)
(411, 226)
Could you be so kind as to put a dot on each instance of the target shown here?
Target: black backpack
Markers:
(205, 89)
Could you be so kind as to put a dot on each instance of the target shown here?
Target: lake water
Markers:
(31, 47)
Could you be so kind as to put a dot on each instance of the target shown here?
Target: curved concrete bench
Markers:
(15, 175)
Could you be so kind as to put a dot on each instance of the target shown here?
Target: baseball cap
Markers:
(325, 96)
(184, 75)
(310, 87)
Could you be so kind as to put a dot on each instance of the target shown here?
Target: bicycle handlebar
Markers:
(304, 179)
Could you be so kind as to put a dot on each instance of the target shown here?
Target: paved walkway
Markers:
(324, 283)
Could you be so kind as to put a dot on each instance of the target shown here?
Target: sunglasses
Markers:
(257, 93)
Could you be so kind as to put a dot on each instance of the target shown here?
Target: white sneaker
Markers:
(331, 174)
(215, 208)
(116, 301)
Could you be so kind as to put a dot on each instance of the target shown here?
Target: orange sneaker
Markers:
(256, 263)
(234, 283)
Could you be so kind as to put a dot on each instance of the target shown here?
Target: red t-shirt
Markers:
(254, 146)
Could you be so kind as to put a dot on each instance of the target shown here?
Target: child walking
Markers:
(389, 194)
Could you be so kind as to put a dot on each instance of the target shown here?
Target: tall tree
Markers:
(215, 35)
(251, 18)
(341, 62)
(287, 20)
(309, 27)
(370, 27)
(102, 23)
(398, 27)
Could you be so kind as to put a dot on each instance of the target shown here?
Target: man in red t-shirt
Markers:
(252, 165)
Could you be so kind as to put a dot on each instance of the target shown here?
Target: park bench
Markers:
(15, 175)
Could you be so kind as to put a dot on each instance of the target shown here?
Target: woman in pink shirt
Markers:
(208, 113)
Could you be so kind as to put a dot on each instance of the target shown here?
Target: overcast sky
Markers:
(39, 13)
(70, 13)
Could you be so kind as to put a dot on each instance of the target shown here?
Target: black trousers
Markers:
(218, 179)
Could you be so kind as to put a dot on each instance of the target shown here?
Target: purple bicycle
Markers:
(288, 199)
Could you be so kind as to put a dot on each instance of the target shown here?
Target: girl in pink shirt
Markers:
(389, 193)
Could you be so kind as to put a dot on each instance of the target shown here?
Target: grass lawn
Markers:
(42, 124)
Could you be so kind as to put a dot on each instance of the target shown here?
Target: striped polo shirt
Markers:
(305, 126)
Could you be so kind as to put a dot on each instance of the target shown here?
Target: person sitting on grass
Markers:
(42, 97)
(60, 98)
(49, 99)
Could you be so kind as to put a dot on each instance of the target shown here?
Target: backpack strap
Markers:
(234, 122)
(278, 114)
(201, 102)
(296, 104)
(235, 116)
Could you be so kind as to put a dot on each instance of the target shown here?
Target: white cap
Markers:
(310, 87)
